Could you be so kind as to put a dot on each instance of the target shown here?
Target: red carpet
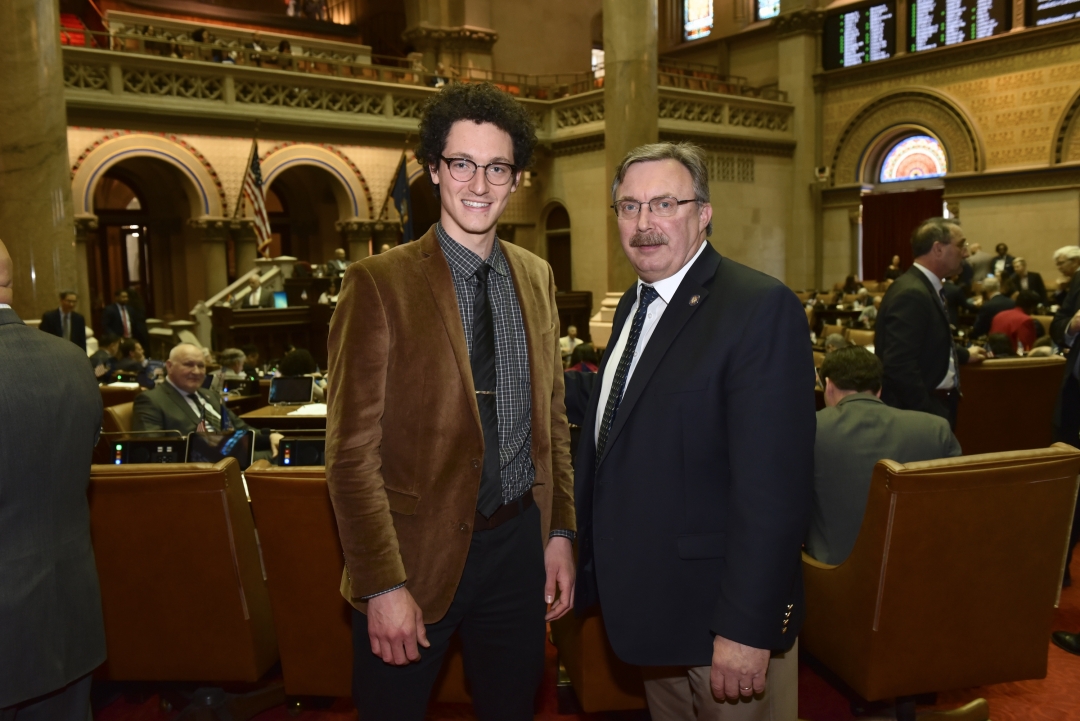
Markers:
(1054, 698)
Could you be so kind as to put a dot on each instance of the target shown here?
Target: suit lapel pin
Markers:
(694, 300)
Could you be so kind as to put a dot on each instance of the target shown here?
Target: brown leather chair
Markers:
(1046, 320)
(182, 587)
(954, 577)
(828, 330)
(117, 419)
(112, 395)
(600, 680)
(860, 337)
(302, 554)
(1008, 404)
(810, 317)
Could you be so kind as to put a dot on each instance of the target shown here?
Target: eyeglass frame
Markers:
(678, 203)
(476, 166)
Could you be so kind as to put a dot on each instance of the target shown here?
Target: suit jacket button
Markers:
(463, 527)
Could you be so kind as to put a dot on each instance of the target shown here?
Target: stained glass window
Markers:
(918, 156)
(767, 9)
(698, 16)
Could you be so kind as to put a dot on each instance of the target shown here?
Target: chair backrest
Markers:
(302, 554)
(827, 330)
(810, 317)
(954, 577)
(870, 285)
(182, 587)
(114, 395)
(1008, 404)
(850, 297)
(804, 295)
(1046, 320)
(860, 337)
(117, 419)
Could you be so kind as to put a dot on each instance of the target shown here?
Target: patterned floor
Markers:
(1055, 698)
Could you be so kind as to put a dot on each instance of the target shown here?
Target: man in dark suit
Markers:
(123, 320)
(1063, 330)
(855, 430)
(1024, 279)
(51, 630)
(335, 267)
(690, 521)
(912, 336)
(1001, 264)
(994, 301)
(64, 321)
(180, 403)
(257, 297)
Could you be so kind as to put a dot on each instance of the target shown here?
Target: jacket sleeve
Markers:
(146, 415)
(562, 474)
(771, 424)
(1065, 313)
(359, 344)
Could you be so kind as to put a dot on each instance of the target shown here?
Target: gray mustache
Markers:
(640, 240)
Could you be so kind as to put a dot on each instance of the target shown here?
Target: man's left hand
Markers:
(737, 669)
(976, 355)
(275, 439)
(559, 565)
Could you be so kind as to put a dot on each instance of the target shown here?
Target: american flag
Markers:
(253, 191)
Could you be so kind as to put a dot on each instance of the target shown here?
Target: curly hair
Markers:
(480, 103)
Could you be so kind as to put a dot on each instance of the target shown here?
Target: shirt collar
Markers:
(181, 391)
(666, 288)
(4, 305)
(934, 280)
(464, 261)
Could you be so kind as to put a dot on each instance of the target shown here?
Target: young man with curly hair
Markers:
(447, 443)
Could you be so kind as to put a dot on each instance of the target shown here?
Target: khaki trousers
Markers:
(683, 693)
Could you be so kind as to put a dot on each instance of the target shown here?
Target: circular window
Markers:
(914, 157)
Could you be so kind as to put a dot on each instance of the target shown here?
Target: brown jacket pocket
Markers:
(402, 502)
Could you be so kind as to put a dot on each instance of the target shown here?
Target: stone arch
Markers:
(202, 185)
(351, 190)
(1067, 136)
(906, 109)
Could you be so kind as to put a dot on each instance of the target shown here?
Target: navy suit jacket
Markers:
(692, 523)
(112, 323)
(51, 323)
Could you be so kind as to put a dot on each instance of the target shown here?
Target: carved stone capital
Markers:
(459, 39)
(211, 229)
(85, 226)
(799, 22)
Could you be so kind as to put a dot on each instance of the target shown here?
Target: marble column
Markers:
(247, 247)
(455, 33)
(799, 58)
(36, 218)
(86, 226)
(356, 236)
(213, 234)
(631, 104)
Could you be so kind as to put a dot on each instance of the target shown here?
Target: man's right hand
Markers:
(395, 627)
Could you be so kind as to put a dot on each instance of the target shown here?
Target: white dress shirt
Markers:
(210, 411)
(4, 305)
(665, 289)
(949, 381)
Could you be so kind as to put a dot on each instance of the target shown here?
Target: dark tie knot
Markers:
(648, 295)
(482, 273)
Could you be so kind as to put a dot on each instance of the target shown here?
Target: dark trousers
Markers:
(70, 703)
(1067, 430)
(498, 610)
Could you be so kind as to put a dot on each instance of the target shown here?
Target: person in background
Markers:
(569, 342)
(584, 358)
(980, 261)
(251, 361)
(868, 316)
(132, 359)
(893, 271)
(912, 337)
(105, 357)
(852, 285)
(335, 267)
(1064, 329)
(994, 302)
(1002, 263)
(124, 320)
(331, 295)
(300, 362)
(64, 322)
(257, 297)
(999, 346)
(1016, 324)
(52, 633)
(834, 342)
(1024, 279)
(855, 430)
(1067, 261)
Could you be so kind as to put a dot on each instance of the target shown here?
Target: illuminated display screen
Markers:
(937, 23)
(699, 19)
(859, 34)
(919, 156)
(767, 9)
(1048, 12)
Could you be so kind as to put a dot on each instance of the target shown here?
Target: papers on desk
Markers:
(311, 409)
(123, 384)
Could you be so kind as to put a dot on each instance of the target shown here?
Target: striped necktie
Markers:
(618, 384)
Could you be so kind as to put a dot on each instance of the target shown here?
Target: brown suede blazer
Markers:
(404, 443)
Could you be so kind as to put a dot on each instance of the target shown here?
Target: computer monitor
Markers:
(242, 386)
(280, 301)
(212, 447)
(292, 391)
(302, 452)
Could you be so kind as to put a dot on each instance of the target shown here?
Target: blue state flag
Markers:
(402, 201)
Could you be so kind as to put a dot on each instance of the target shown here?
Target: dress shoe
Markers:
(1068, 641)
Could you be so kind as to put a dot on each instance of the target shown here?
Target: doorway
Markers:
(557, 234)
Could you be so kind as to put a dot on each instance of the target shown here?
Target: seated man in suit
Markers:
(132, 359)
(855, 430)
(182, 404)
(104, 359)
(258, 297)
(993, 304)
(64, 322)
(1024, 279)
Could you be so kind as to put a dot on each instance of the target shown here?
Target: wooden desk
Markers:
(278, 418)
(244, 404)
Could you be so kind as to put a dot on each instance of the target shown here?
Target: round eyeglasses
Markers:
(664, 207)
(463, 170)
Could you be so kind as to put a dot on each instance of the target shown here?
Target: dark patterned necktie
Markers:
(207, 419)
(490, 496)
(618, 384)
